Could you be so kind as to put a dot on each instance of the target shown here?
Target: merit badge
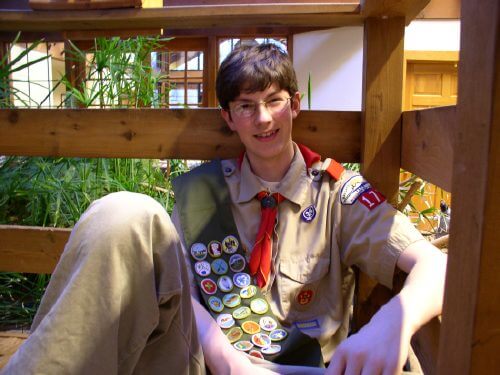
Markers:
(219, 266)
(198, 251)
(308, 214)
(237, 263)
(250, 327)
(241, 279)
(278, 334)
(241, 312)
(261, 340)
(225, 284)
(225, 320)
(271, 349)
(215, 249)
(202, 268)
(248, 291)
(352, 189)
(230, 244)
(231, 300)
(243, 346)
(259, 306)
(234, 334)
(371, 199)
(208, 286)
(305, 297)
(267, 323)
(256, 353)
(215, 304)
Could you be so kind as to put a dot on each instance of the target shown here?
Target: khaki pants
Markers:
(118, 301)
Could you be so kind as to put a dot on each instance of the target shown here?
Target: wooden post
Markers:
(381, 131)
(470, 334)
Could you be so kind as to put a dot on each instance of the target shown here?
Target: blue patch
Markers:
(307, 324)
(309, 214)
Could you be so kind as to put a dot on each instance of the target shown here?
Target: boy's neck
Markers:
(272, 170)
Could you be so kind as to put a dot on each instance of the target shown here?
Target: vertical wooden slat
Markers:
(211, 66)
(470, 335)
(75, 70)
(382, 87)
(381, 132)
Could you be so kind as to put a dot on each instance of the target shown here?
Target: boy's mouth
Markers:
(266, 135)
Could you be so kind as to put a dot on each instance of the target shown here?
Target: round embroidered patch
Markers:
(215, 249)
(309, 214)
(215, 304)
(198, 251)
(278, 334)
(219, 266)
(271, 349)
(225, 283)
(250, 327)
(231, 300)
(267, 323)
(243, 346)
(259, 306)
(305, 297)
(234, 334)
(241, 279)
(256, 353)
(237, 263)
(248, 291)
(225, 320)
(230, 244)
(261, 340)
(208, 286)
(242, 312)
(202, 268)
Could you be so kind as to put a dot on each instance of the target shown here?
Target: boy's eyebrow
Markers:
(267, 96)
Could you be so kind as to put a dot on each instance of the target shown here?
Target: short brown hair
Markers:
(254, 68)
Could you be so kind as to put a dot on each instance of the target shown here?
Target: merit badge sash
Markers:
(221, 272)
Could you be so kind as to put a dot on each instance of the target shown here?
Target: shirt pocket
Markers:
(299, 285)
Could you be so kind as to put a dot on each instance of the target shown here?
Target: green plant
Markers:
(56, 191)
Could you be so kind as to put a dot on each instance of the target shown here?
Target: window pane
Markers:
(177, 61)
(195, 94)
(176, 95)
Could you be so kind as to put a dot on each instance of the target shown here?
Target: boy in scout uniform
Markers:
(254, 276)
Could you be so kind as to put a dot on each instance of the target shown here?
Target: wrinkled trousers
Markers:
(119, 299)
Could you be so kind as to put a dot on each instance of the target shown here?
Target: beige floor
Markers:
(9, 342)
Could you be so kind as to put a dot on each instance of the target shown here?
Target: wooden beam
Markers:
(470, 334)
(427, 144)
(160, 133)
(382, 87)
(408, 9)
(31, 249)
(381, 130)
(186, 17)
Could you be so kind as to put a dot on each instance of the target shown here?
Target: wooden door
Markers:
(429, 83)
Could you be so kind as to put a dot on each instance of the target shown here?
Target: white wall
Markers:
(334, 58)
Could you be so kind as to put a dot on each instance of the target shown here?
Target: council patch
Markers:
(352, 189)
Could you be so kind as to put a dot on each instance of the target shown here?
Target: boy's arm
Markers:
(220, 356)
(381, 347)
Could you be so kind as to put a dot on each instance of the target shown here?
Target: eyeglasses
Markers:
(247, 109)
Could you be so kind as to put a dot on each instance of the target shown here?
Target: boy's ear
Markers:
(295, 104)
(227, 118)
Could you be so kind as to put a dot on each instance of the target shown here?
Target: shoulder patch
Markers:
(371, 199)
(352, 189)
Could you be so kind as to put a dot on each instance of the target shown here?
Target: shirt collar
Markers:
(294, 185)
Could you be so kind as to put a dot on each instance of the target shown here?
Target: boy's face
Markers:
(267, 133)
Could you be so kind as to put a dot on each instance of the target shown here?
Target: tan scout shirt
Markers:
(311, 284)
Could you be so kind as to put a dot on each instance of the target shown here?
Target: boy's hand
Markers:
(380, 347)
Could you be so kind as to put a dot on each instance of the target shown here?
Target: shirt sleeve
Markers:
(192, 282)
(371, 233)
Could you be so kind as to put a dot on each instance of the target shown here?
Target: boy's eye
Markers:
(275, 101)
(245, 106)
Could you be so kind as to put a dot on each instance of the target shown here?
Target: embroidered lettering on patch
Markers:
(352, 189)
(307, 324)
(371, 199)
